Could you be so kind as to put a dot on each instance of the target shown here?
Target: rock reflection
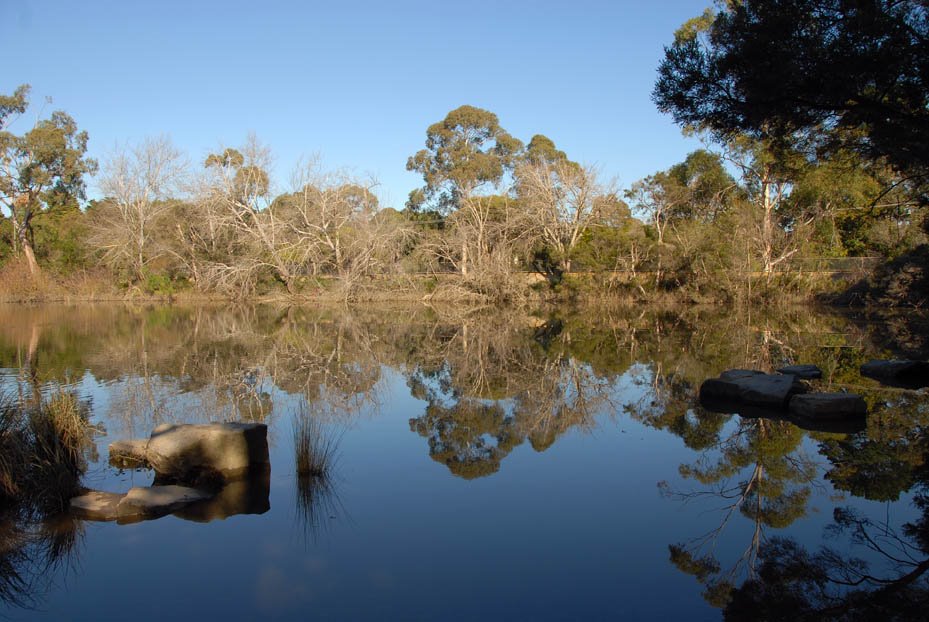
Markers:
(245, 496)
(757, 466)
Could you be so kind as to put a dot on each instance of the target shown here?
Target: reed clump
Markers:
(42, 452)
(316, 451)
(315, 447)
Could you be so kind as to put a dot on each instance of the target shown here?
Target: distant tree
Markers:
(41, 168)
(466, 153)
(138, 182)
(559, 200)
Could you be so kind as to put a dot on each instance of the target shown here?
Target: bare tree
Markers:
(137, 182)
(236, 192)
(333, 220)
(560, 201)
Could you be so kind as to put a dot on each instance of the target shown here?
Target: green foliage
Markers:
(42, 168)
(464, 151)
(159, 284)
(542, 149)
(837, 73)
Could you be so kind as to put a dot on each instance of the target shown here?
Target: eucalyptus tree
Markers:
(467, 154)
(42, 168)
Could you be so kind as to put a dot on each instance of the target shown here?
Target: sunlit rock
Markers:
(223, 451)
(154, 501)
(805, 372)
(828, 406)
(129, 454)
(96, 505)
(905, 374)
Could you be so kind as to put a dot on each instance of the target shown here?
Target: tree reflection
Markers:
(794, 584)
(759, 473)
(495, 388)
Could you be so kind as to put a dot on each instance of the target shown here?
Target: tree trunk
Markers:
(34, 269)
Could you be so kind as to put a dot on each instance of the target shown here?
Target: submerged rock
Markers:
(904, 374)
(806, 372)
(155, 501)
(828, 406)
(96, 505)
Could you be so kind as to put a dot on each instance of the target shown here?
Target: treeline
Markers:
(767, 199)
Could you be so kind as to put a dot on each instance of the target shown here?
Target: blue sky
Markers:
(356, 82)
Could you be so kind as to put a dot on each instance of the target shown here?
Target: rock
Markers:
(129, 454)
(738, 374)
(223, 451)
(154, 501)
(770, 390)
(96, 505)
(828, 406)
(717, 389)
(904, 374)
(739, 388)
(806, 372)
(245, 496)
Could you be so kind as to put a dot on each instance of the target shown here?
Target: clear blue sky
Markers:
(357, 82)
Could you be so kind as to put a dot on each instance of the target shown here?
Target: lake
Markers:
(490, 465)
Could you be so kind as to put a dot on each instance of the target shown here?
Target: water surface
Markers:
(490, 465)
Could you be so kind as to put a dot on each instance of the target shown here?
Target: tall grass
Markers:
(316, 448)
(42, 451)
(316, 451)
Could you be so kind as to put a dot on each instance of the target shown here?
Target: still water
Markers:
(489, 466)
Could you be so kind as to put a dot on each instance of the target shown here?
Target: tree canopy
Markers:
(41, 168)
(836, 72)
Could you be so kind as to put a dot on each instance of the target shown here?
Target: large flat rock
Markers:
(828, 406)
(154, 501)
(737, 388)
(96, 505)
(227, 451)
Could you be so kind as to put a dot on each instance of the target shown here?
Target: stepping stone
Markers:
(828, 406)
(904, 374)
(96, 505)
(741, 387)
(154, 501)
